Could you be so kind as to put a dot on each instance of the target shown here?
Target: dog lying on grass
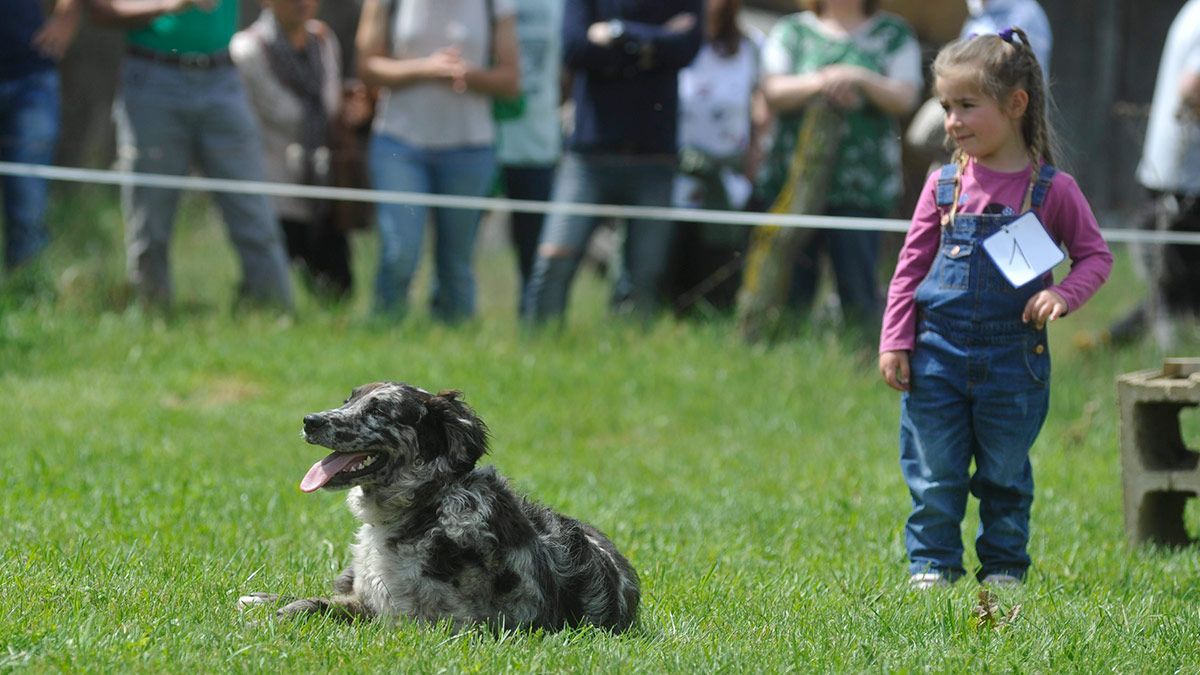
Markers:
(442, 539)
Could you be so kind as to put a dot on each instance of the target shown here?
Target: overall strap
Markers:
(947, 179)
(1042, 186)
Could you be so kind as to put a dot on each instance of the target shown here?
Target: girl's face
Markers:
(983, 127)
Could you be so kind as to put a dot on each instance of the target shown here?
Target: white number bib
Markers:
(1023, 250)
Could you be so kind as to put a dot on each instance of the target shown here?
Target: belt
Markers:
(195, 61)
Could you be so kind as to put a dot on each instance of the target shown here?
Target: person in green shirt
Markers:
(866, 64)
(182, 106)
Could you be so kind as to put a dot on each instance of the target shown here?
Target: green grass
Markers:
(150, 467)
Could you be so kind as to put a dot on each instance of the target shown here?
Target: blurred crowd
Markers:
(626, 102)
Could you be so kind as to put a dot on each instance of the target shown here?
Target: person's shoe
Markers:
(923, 581)
(1001, 580)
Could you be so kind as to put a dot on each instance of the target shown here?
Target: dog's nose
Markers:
(314, 422)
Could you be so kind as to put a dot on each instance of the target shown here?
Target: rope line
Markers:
(741, 218)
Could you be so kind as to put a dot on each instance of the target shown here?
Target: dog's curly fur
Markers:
(441, 539)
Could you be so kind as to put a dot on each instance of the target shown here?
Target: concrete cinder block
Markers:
(1160, 473)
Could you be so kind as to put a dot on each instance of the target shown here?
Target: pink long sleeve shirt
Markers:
(1065, 213)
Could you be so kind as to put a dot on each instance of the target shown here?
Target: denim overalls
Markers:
(980, 390)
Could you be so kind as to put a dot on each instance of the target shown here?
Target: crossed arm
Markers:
(378, 68)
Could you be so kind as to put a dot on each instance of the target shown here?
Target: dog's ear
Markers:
(466, 434)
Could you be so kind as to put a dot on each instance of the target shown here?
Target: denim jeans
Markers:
(468, 171)
(854, 258)
(978, 395)
(604, 179)
(527, 182)
(170, 119)
(29, 119)
(980, 391)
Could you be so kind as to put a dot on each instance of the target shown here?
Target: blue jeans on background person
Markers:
(533, 183)
(630, 180)
(854, 259)
(29, 124)
(169, 119)
(396, 165)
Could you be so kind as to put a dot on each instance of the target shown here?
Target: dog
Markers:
(442, 539)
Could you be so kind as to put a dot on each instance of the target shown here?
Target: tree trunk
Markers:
(770, 259)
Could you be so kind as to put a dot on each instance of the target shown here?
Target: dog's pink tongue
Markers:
(322, 471)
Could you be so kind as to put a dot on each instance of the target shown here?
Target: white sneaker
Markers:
(923, 581)
(1001, 580)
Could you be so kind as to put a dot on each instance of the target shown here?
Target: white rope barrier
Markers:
(199, 183)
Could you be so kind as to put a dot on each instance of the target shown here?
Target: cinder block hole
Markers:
(1168, 436)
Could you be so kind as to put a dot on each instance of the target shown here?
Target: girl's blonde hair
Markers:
(999, 65)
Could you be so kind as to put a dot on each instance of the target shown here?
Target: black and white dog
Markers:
(442, 539)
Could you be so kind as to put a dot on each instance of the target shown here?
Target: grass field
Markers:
(150, 470)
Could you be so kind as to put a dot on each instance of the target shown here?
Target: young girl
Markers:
(966, 348)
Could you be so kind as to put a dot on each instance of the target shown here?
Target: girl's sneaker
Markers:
(1000, 580)
(923, 581)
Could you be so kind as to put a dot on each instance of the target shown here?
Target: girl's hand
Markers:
(893, 366)
(1044, 306)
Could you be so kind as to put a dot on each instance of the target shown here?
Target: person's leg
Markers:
(562, 243)
(468, 172)
(534, 183)
(854, 256)
(228, 146)
(1180, 280)
(328, 258)
(806, 272)
(29, 108)
(935, 457)
(153, 137)
(295, 236)
(396, 166)
(1009, 408)
(647, 241)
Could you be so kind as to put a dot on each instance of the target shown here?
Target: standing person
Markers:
(30, 46)
(721, 117)
(182, 103)
(1170, 172)
(439, 63)
(966, 348)
(625, 56)
(528, 132)
(292, 67)
(867, 65)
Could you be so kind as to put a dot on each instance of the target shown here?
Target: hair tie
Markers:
(1007, 35)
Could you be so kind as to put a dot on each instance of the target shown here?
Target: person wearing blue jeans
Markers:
(854, 256)
(399, 166)
(181, 105)
(30, 43)
(625, 59)
(984, 378)
(603, 179)
(439, 66)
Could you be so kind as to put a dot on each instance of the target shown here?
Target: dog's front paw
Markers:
(257, 599)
